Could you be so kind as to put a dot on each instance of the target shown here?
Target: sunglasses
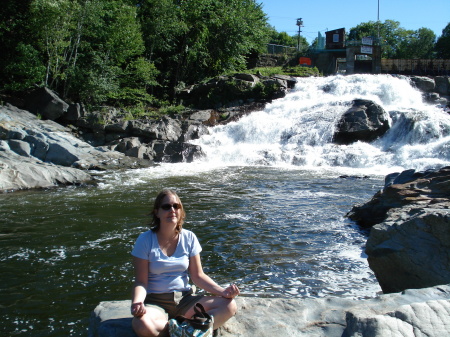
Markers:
(166, 207)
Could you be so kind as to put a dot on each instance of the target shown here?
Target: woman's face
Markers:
(169, 211)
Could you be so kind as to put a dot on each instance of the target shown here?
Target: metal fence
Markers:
(276, 49)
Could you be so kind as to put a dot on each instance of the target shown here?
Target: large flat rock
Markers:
(413, 312)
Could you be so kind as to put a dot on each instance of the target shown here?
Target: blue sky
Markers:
(323, 15)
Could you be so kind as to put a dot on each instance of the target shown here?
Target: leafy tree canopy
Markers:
(396, 41)
(131, 51)
(443, 43)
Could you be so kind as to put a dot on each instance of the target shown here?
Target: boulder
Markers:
(289, 80)
(74, 112)
(423, 83)
(409, 243)
(442, 85)
(236, 90)
(404, 189)
(247, 77)
(46, 103)
(25, 172)
(411, 251)
(166, 129)
(192, 131)
(364, 121)
(385, 315)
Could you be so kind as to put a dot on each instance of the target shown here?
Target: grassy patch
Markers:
(297, 71)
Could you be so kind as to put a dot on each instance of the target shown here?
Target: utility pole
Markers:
(300, 25)
(378, 21)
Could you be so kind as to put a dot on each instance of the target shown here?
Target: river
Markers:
(268, 204)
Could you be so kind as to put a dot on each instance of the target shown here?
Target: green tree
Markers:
(387, 34)
(52, 20)
(26, 70)
(191, 40)
(109, 54)
(19, 60)
(443, 44)
(282, 38)
(417, 44)
(396, 41)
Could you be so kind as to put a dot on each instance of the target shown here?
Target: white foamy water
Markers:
(298, 129)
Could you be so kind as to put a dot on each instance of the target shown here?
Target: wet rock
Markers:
(408, 188)
(423, 83)
(364, 121)
(442, 85)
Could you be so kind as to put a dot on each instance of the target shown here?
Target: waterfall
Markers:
(297, 130)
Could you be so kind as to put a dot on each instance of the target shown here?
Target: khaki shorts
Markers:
(174, 304)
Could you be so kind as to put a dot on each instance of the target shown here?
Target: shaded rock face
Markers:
(399, 314)
(46, 103)
(409, 243)
(364, 121)
(412, 253)
(442, 84)
(236, 90)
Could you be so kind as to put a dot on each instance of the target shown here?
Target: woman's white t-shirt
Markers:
(167, 273)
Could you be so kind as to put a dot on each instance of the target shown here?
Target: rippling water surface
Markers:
(277, 232)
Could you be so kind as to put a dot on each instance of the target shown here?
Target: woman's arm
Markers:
(206, 283)
(140, 286)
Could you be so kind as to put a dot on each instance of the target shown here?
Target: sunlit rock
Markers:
(386, 315)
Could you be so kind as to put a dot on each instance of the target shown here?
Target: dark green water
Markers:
(277, 232)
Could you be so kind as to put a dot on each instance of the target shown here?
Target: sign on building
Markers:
(367, 41)
(366, 50)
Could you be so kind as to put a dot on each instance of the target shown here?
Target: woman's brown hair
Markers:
(156, 222)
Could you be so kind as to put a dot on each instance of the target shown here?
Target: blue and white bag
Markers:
(200, 325)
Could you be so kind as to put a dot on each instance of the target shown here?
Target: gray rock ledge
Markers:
(415, 312)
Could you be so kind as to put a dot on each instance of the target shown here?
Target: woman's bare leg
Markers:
(152, 324)
(220, 307)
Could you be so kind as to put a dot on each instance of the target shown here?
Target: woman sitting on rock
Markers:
(164, 258)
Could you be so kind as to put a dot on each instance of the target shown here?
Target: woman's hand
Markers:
(231, 291)
(138, 309)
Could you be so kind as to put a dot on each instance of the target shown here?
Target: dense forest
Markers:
(138, 53)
